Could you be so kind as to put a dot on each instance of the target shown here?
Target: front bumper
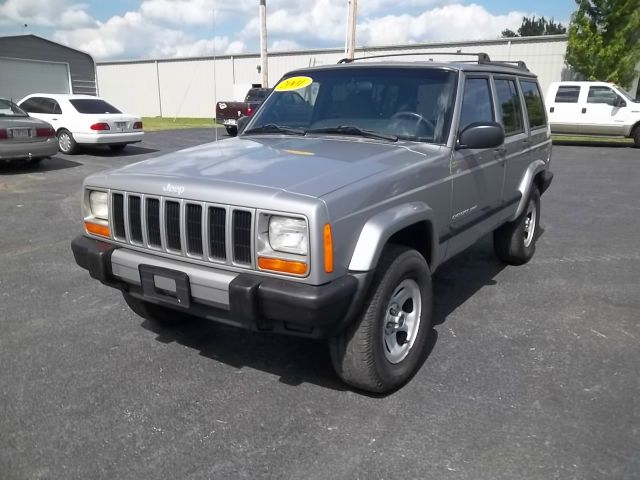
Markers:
(244, 300)
(108, 138)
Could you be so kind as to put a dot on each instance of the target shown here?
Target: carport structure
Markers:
(30, 64)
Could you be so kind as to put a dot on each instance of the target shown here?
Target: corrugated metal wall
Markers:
(185, 87)
(30, 47)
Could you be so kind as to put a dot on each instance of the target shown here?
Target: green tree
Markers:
(604, 40)
(534, 27)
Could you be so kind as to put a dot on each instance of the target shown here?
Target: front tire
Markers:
(636, 137)
(231, 130)
(515, 242)
(155, 313)
(385, 346)
(66, 143)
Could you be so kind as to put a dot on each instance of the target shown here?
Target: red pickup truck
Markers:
(228, 113)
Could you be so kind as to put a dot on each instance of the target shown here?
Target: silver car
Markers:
(24, 138)
(328, 214)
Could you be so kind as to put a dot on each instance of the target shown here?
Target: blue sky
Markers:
(130, 29)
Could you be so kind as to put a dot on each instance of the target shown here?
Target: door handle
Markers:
(584, 110)
(552, 109)
(54, 119)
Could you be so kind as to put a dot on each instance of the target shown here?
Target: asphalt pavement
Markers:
(533, 371)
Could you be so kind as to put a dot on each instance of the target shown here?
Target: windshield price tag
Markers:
(293, 83)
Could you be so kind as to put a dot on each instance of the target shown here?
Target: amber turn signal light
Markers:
(97, 229)
(328, 249)
(284, 266)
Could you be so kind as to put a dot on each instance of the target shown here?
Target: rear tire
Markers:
(66, 143)
(515, 242)
(383, 348)
(231, 131)
(156, 313)
(117, 147)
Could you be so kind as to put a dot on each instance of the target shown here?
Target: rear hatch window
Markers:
(90, 106)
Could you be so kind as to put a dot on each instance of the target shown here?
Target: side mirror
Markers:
(619, 102)
(242, 123)
(481, 135)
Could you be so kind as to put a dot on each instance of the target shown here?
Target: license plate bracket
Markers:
(158, 284)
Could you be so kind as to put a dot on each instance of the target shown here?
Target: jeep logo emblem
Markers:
(169, 188)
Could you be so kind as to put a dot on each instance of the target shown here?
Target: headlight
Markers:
(99, 205)
(288, 235)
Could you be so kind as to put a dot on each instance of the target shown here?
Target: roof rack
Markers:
(483, 58)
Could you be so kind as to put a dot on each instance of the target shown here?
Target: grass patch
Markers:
(161, 123)
(587, 140)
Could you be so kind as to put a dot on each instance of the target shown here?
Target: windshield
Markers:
(256, 94)
(10, 109)
(625, 94)
(90, 105)
(407, 103)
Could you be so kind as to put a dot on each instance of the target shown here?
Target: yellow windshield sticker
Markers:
(293, 83)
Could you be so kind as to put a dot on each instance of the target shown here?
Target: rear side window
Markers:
(476, 104)
(510, 106)
(534, 103)
(255, 95)
(90, 105)
(602, 95)
(567, 94)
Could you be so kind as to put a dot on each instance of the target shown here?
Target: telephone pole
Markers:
(264, 63)
(350, 46)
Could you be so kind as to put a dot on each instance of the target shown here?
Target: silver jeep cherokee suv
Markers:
(328, 214)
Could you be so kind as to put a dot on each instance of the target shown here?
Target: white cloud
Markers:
(194, 12)
(451, 22)
(176, 28)
(44, 13)
(284, 45)
(134, 36)
(323, 23)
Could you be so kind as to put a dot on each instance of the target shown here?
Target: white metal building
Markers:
(185, 87)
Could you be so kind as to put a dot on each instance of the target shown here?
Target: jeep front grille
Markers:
(215, 233)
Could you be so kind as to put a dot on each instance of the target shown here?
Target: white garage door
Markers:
(22, 77)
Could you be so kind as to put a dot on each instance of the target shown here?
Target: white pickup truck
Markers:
(593, 108)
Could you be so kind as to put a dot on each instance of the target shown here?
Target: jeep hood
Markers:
(304, 165)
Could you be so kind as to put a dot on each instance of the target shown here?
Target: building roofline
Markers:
(360, 49)
(49, 41)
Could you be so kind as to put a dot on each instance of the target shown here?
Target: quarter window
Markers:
(476, 104)
(510, 106)
(534, 103)
(567, 94)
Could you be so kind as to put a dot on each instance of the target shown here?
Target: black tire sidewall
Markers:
(409, 265)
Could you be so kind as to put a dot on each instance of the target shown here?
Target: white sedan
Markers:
(84, 120)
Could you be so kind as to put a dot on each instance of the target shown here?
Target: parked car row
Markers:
(42, 123)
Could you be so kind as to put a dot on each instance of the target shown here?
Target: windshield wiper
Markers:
(353, 130)
(273, 128)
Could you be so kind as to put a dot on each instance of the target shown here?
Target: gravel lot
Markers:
(533, 372)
